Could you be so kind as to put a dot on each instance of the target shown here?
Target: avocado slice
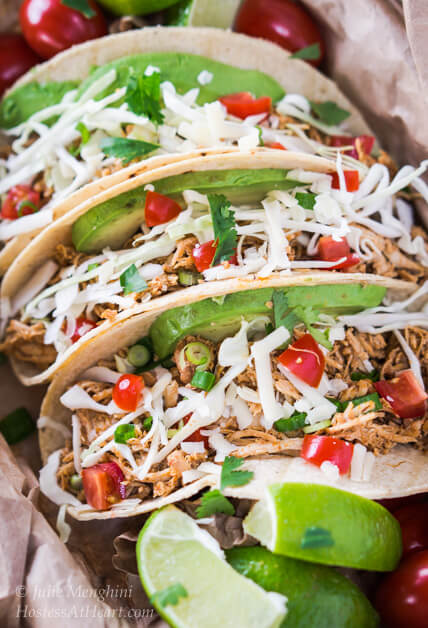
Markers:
(316, 595)
(215, 319)
(113, 222)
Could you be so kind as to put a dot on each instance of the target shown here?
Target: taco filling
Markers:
(181, 231)
(297, 372)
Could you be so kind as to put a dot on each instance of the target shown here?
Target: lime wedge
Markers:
(219, 14)
(316, 595)
(325, 525)
(175, 555)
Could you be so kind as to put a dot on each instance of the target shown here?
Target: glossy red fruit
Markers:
(102, 485)
(159, 209)
(16, 57)
(305, 360)
(318, 449)
(413, 520)
(127, 392)
(21, 200)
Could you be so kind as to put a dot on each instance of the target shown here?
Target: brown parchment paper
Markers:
(377, 52)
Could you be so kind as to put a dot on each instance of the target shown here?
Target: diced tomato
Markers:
(102, 484)
(318, 449)
(352, 180)
(203, 255)
(196, 437)
(127, 392)
(330, 250)
(276, 145)
(404, 394)
(159, 209)
(83, 325)
(243, 104)
(305, 359)
(366, 143)
(21, 200)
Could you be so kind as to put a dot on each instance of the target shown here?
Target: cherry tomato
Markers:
(16, 57)
(83, 325)
(366, 142)
(276, 145)
(49, 26)
(243, 104)
(318, 449)
(404, 394)
(352, 180)
(282, 21)
(330, 250)
(21, 200)
(160, 209)
(102, 485)
(413, 520)
(305, 359)
(203, 255)
(402, 598)
(127, 392)
(196, 437)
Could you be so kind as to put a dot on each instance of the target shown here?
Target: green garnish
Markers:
(316, 537)
(225, 235)
(260, 130)
(306, 199)
(143, 96)
(76, 482)
(212, 502)
(198, 354)
(290, 317)
(17, 425)
(123, 433)
(131, 280)
(321, 425)
(329, 113)
(92, 266)
(126, 149)
(169, 596)
(231, 477)
(373, 397)
(309, 53)
(203, 380)
(357, 376)
(82, 6)
(139, 355)
(84, 132)
(24, 204)
(147, 423)
(188, 278)
(295, 422)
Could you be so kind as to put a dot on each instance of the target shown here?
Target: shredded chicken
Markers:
(182, 256)
(25, 343)
(163, 284)
(291, 446)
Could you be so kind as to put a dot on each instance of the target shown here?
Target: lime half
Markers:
(216, 13)
(325, 525)
(183, 571)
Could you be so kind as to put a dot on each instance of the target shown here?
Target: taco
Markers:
(76, 122)
(318, 383)
(195, 225)
(171, 230)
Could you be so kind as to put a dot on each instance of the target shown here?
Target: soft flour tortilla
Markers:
(402, 472)
(293, 75)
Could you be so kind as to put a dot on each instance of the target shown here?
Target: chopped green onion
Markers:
(198, 354)
(357, 376)
(123, 433)
(373, 397)
(294, 422)
(131, 280)
(321, 425)
(147, 423)
(139, 355)
(17, 425)
(76, 482)
(337, 403)
(203, 380)
(188, 278)
(24, 204)
(92, 266)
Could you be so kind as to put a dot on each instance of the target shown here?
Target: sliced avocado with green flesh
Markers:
(113, 222)
(316, 595)
(215, 320)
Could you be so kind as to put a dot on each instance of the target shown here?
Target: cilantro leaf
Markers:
(212, 502)
(295, 422)
(306, 199)
(230, 477)
(282, 314)
(143, 96)
(316, 537)
(82, 6)
(123, 433)
(169, 596)
(225, 235)
(84, 132)
(126, 149)
(311, 52)
(374, 375)
(147, 423)
(309, 317)
(329, 112)
(132, 281)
